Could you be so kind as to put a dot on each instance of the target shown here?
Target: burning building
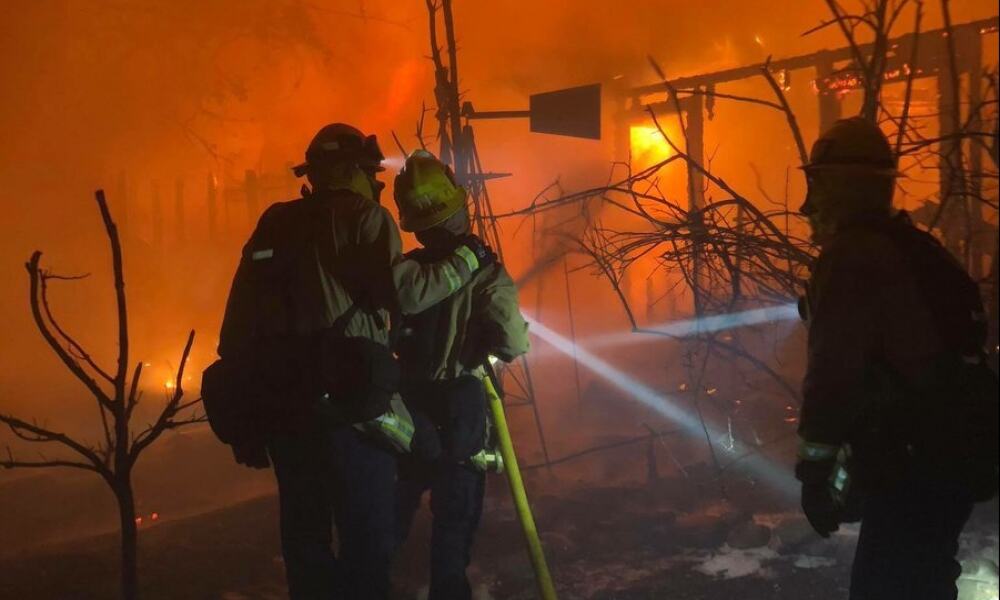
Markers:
(659, 254)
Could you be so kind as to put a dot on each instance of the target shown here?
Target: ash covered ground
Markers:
(665, 538)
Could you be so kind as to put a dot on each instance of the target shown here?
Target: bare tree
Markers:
(728, 251)
(116, 394)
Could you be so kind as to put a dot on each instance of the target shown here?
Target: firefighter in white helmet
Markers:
(442, 351)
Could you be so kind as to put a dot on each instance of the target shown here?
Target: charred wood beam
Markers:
(815, 59)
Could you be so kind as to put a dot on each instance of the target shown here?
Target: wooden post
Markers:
(950, 197)
(694, 106)
(212, 199)
(829, 103)
(972, 55)
(179, 209)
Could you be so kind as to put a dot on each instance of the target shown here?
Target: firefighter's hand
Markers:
(483, 253)
(253, 455)
(820, 508)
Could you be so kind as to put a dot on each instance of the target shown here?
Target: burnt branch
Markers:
(34, 433)
(793, 123)
(36, 276)
(174, 406)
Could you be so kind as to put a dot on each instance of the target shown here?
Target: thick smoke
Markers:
(149, 92)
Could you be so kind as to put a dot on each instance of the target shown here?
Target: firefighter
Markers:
(328, 266)
(442, 352)
(892, 432)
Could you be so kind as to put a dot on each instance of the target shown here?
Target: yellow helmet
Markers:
(426, 193)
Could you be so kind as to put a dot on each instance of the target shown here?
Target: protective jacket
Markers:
(864, 310)
(347, 250)
(884, 372)
(455, 337)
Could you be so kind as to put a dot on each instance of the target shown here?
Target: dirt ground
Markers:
(617, 543)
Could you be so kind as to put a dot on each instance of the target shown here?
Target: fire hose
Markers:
(521, 505)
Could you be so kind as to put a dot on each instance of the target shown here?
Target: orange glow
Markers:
(169, 384)
(648, 145)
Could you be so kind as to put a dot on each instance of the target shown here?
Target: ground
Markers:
(652, 541)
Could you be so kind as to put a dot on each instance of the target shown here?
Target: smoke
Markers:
(152, 99)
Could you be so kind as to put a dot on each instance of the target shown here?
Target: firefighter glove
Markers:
(818, 503)
(251, 454)
(820, 508)
(483, 253)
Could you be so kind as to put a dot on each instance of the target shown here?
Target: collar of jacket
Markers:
(351, 179)
(871, 219)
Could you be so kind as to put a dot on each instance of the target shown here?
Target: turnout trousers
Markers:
(450, 421)
(456, 507)
(338, 477)
(908, 543)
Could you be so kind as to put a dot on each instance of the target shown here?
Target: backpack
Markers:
(954, 432)
(286, 380)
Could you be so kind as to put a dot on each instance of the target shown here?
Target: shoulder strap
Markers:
(339, 326)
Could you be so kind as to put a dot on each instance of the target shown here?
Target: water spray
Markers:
(778, 478)
(688, 327)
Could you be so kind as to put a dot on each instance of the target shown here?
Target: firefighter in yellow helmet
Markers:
(306, 376)
(899, 416)
(442, 351)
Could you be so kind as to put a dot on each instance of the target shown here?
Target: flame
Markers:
(154, 517)
(648, 145)
(169, 384)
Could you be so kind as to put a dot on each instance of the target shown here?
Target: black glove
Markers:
(817, 500)
(820, 509)
(483, 253)
(251, 454)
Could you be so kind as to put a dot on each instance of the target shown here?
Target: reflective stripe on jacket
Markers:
(454, 337)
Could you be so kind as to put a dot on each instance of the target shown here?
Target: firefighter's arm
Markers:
(238, 321)
(844, 313)
(500, 329)
(408, 285)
